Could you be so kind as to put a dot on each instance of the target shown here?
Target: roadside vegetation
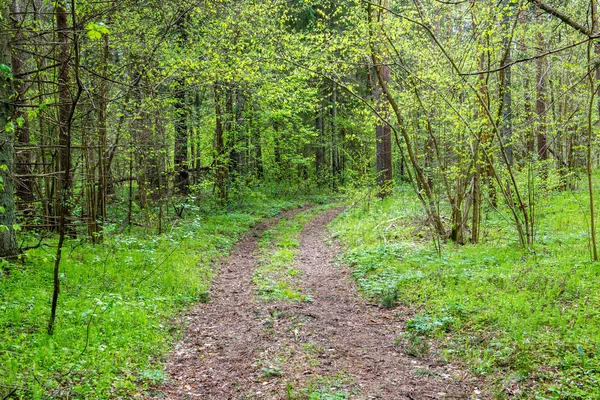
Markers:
(527, 319)
(119, 302)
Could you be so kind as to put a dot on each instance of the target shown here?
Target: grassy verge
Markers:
(116, 316)
(528, 319)
(275, 277)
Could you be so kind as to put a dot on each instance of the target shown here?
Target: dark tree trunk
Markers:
(23, 167)
(505, 81)
(320, 150)
(220, 156)
(8, 241)
(182, 175)
(64, 111)
(383, 137)
(335, 159)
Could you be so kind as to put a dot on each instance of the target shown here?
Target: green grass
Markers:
(525, 318)
(323, 388)
(118, 305)
(275, 277)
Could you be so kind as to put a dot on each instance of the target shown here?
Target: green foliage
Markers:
(416, 345)
(322, 388)
(269, 368)
(115, 322)
(428, 325)
(507, 312)
(96, 30)
(5, 72)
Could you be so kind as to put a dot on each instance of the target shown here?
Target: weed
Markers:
(390, 297)
(328, 388)
(416, 345)
(425, 372)
(269, 368)
(428, 325)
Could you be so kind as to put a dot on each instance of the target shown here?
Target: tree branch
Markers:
(564, 18)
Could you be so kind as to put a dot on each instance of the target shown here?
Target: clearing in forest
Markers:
(285, 321)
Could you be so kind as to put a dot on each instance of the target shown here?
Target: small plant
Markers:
(290, 392)
(389, 298)
(428, 325)
(328, 388)
(416, 345)
(268, 368)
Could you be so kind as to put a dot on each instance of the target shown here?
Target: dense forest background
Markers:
(122, 107)
(123, 117)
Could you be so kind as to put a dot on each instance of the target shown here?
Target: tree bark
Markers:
(64, 111)
(220, 156)
(8, 241)
(540, 102)
(383, 134)
(23, 167)
(182, 175)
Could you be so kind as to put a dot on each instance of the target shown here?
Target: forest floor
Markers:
(332, 344)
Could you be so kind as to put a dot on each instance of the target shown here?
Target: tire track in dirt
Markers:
(237, 348)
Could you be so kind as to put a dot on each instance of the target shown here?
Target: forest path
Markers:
(336, 346)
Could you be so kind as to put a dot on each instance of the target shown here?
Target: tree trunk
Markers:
(103, 162)
(64, 111)
(383, 133)
(505, 81)
(24, 182)
(8, 241)
(182, 176)
(335, 159)
(320, 150)
(220, 156)
(540, 102)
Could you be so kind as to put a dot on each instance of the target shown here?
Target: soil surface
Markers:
(337, 346)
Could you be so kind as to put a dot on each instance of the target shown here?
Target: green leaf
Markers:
(16, 227)
(95, 31)
(5, 71)
(10, 127)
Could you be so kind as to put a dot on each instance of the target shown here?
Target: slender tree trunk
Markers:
(505, 79)
(383, 134)
(335, 160)
(320, 150)
(64, 111)
(230, 133)
(540, 102)
(182, 176)
(65, 117)
(530, 131)
(590, 140)
(103, 154)
(24, 182)
(8, 241)
(383, 137)
(220, 156)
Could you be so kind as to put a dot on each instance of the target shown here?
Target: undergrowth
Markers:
(527, 319)
(118, 303)
(323, 388)
(275, 277)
